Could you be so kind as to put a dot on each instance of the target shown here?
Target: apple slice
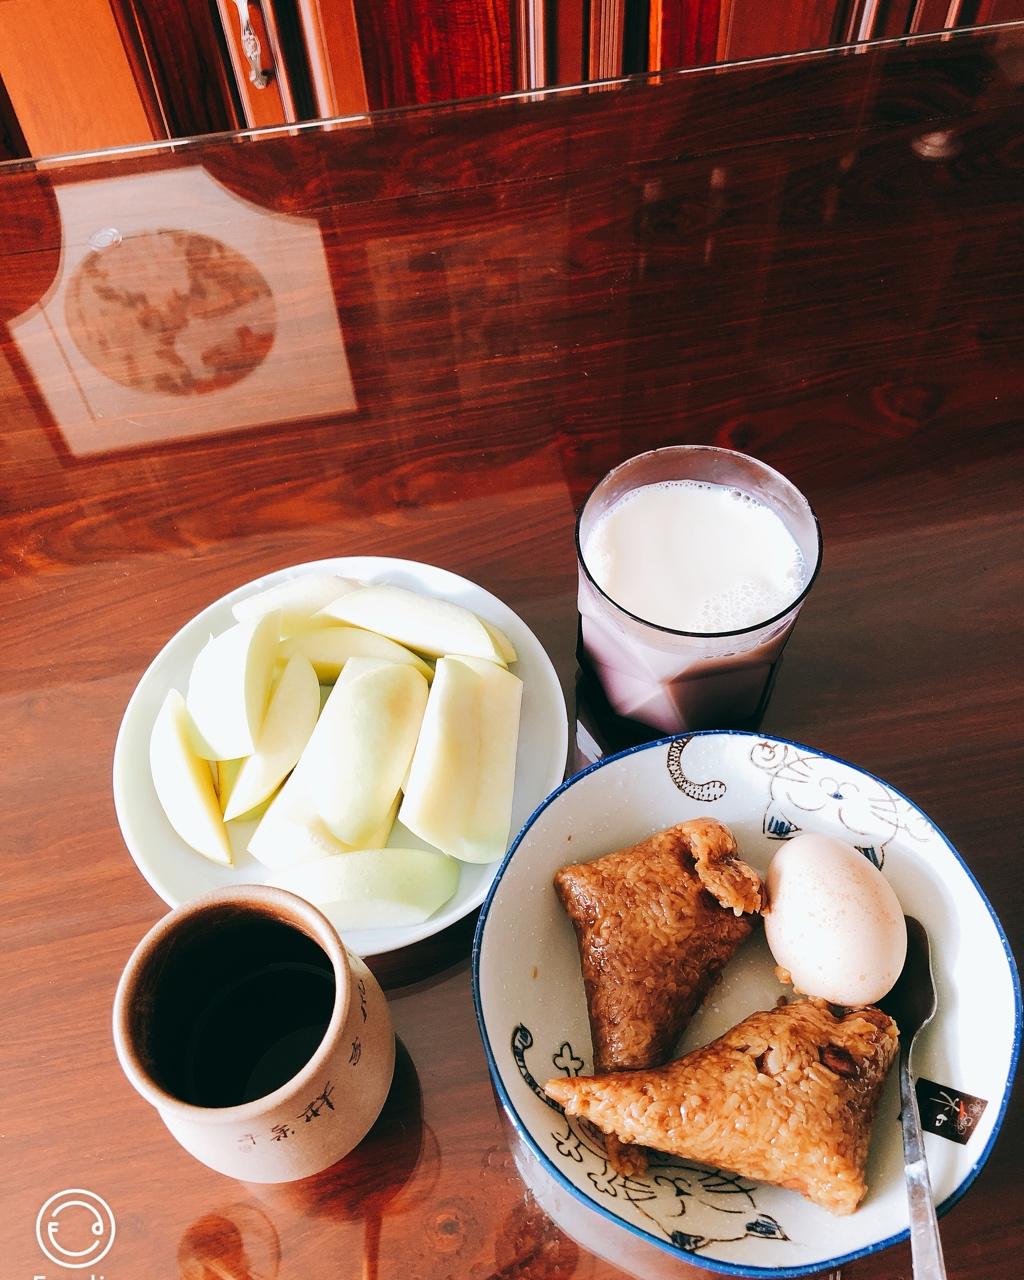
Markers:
(430, 626)
(380, 837)
(360, 750)
(328, 648)
(296, 599)
(290, 719)
(184, 784)
(228, 688)
(501, 642)
(375, 888)
(225, 773)
(458, 796)
(292, 832)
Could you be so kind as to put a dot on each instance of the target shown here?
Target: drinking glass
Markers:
(637, 678)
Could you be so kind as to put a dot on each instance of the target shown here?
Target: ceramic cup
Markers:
(266, 1047)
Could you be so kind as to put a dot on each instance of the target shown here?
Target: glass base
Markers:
(601, 731)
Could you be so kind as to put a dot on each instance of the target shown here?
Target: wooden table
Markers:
(450, 322)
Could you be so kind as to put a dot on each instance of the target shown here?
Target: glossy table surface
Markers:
(426, 335)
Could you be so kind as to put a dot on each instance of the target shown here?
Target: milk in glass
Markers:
(688, 590)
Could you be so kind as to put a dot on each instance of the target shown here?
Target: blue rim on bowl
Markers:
(547, 1164)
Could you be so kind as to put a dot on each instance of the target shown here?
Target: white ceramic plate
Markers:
(178, 874)
(532, 1010)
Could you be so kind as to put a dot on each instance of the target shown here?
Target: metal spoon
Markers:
(911, 1003)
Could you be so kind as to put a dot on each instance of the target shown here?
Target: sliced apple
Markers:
(290, 719)
(458, 795)
(328, 648)
(184, 784)
(286, 838)
(501, 642)
(228, 688)
(360, 750)
(296, 599)
(379, 838)
(225, 773)
(376, 888)
(430, 626)
(292, 832)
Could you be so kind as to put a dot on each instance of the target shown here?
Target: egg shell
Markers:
(833, 921)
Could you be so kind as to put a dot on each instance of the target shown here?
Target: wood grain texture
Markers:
(928, 15)
(606, 34)
(336, 64)
(986, 11)
(69, 78)
(893, 18)
(566, 27)
(530, 44)
(140, 64)
(185, 61)
(752, 29)
(415, 51)
(684, 35)
(781, 259)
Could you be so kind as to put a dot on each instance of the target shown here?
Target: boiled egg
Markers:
(833, 921)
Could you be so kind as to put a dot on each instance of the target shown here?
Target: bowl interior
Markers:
(532, 1011)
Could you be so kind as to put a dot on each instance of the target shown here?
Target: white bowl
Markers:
(179, 874)
(532, 1010)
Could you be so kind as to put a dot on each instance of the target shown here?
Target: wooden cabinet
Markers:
(69, 78)
(108, 73)
(420, 51)
(752, 29)
(105, 73)
(335, 60)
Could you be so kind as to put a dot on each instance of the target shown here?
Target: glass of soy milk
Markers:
(693, 564)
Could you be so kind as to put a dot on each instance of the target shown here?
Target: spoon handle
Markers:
(925, 1245)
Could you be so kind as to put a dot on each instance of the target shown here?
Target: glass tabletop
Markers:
(426, 334)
